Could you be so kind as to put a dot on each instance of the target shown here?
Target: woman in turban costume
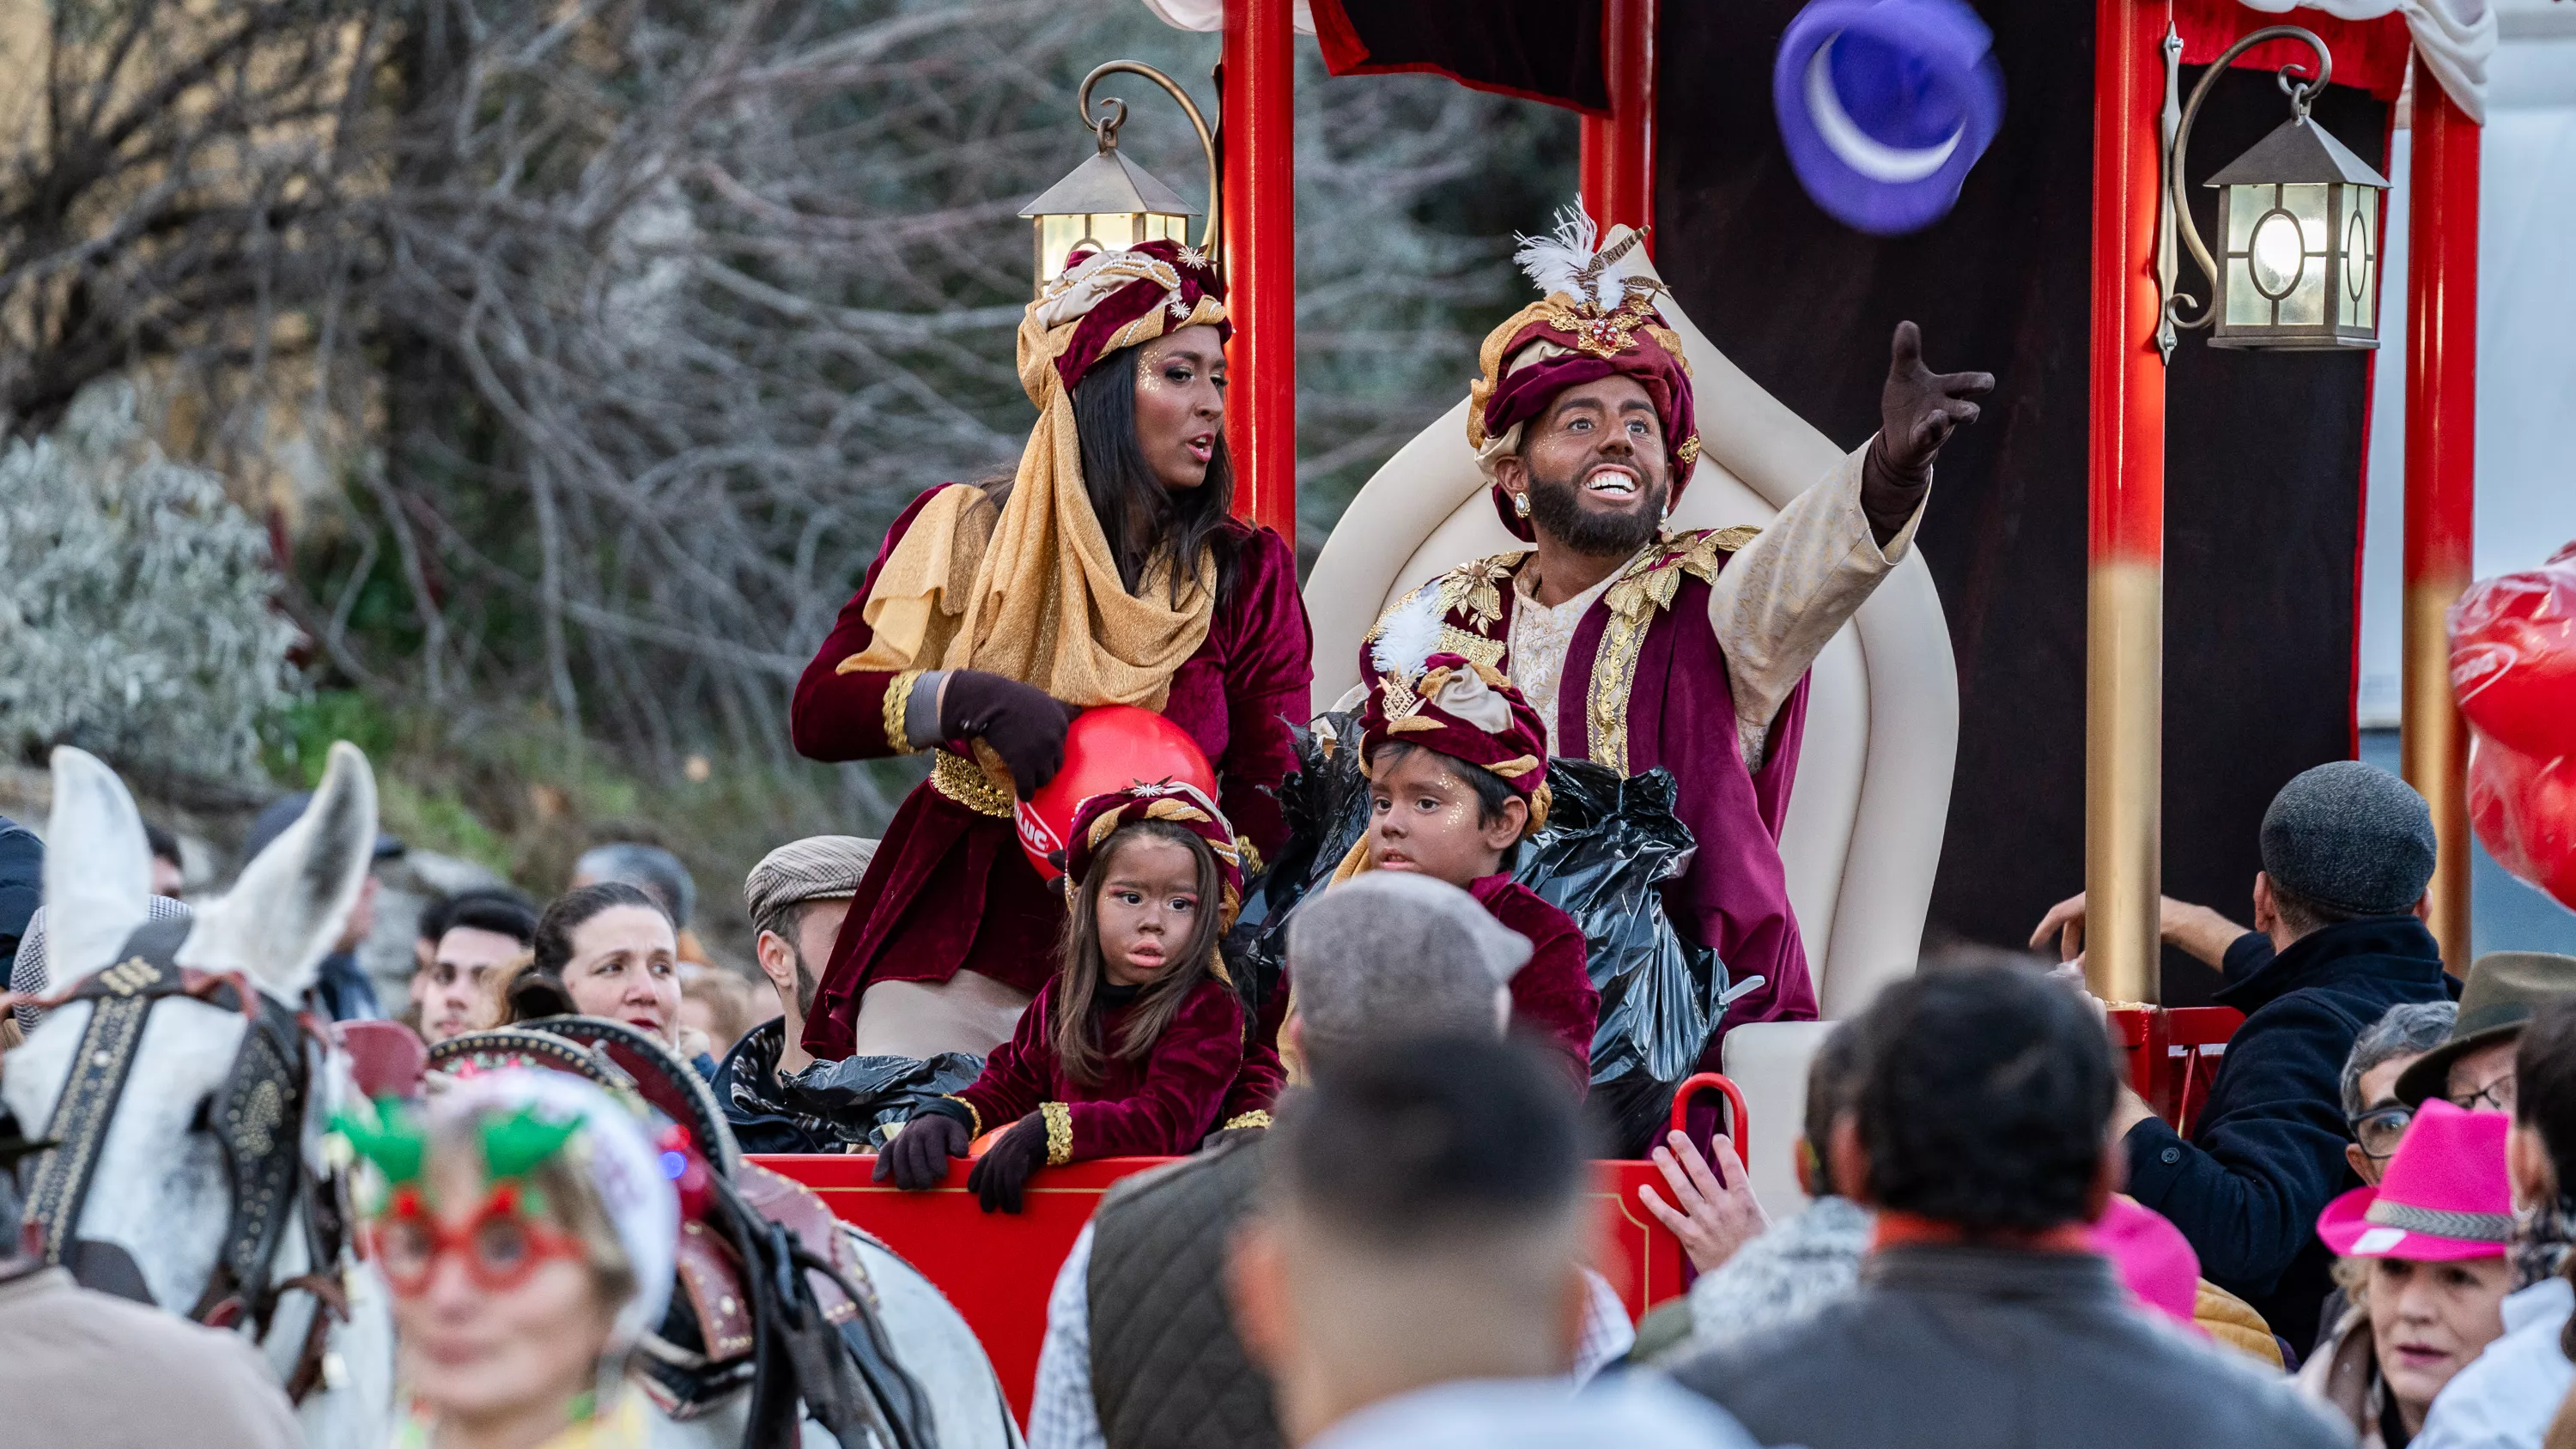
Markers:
(1108, 570)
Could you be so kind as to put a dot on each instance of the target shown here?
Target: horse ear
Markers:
(98, 867)
(290, 904)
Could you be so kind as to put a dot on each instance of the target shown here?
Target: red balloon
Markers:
(2524, 809)
(2513, 658)
(1105, 749)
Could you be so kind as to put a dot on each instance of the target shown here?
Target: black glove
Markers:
(917, 1158)
(1917, 410)
(1005, 1166)
(1023, 724)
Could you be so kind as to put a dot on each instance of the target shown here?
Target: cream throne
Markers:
(1873, 786)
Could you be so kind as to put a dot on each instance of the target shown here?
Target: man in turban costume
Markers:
(1107, 570)
(1641, 645)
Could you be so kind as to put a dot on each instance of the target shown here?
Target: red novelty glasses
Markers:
(499, 1245)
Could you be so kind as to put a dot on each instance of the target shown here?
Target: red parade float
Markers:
(998, 1269)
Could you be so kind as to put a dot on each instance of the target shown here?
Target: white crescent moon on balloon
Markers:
(1857, 149)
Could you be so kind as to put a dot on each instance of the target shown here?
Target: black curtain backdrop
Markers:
(1543, 50)
(2263, 452)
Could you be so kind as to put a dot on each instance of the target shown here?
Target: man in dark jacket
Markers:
(1984, 1320)
(2347, 852)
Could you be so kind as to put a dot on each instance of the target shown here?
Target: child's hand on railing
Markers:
(1005, 1167)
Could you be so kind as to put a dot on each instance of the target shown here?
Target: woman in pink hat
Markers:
(2423, 1256)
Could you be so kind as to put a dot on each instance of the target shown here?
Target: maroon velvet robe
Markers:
(949, 888)
(1162, 1105)
(1679, 712)
(1553, 999)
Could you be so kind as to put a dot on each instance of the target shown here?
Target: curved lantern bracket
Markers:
(1114, 114)
(2176, 218)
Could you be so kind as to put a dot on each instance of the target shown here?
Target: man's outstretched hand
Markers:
(1919, 407)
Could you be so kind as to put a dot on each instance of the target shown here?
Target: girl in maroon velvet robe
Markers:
(1108, 571)
(1129, 1050)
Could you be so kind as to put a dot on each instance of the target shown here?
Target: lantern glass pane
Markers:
(2278, 259)
(2306, 304)
(2244, 205)
(1056, 237)
(1161, 226)
(2361, 259)
(2246, 306)
(2307, 202)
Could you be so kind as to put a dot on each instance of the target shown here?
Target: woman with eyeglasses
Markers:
(527, 1231)
(2422, 1253)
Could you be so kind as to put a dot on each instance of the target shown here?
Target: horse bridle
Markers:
(257, 1119)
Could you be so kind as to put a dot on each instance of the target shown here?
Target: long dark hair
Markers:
(1142, 517)
(1076, 1029)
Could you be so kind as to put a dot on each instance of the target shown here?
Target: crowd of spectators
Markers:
(2361, 1237)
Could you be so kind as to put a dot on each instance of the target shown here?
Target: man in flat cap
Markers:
(798, 896)
(2338, 939)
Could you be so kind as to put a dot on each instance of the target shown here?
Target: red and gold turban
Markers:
(1598, 320)
(1176, 801)
(1419, 694)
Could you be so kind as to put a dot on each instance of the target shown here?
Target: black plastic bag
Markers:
(866, 1098)
(1609, 845)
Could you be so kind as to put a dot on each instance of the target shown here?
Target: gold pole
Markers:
(2123, 774)
(2433, 755)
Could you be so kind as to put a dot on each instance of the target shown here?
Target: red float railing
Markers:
(998, 1268)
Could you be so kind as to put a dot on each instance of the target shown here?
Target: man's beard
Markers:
(805, 988)
(1556, 507)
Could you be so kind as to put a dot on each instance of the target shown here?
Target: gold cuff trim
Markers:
(972, 1132)
(898, 698)
(1246, 1119)
(960, 780)
(1059, 1125)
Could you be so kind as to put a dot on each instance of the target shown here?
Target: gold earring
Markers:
(1520, 504)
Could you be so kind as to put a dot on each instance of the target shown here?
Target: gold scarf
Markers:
(1031, 590)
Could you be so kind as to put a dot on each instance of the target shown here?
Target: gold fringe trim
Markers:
(898, 698)
(1246, 1119)
(1059, 1128)
(978, 1129)
(960, 780)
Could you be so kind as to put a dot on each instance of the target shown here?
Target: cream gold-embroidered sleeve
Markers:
(1780, 599)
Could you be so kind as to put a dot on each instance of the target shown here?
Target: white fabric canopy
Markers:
(2455, 38)
(1210, 14)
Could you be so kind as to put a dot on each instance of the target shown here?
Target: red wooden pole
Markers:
(2125, 474)
(1618, 168)
(1260, 241)
(2441, 481)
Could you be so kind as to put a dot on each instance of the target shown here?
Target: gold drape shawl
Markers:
(1031, 590)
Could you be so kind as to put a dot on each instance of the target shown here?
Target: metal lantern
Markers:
(2298, 224)
(1109, 203)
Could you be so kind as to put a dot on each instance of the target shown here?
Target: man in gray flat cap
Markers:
(1141, 1349)
(798, 896)
(2338, 939)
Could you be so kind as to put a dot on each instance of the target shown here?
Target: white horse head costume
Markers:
(160, 1190)
(160, 1193)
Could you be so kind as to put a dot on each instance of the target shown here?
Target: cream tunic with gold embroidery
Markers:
(1773, 607)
